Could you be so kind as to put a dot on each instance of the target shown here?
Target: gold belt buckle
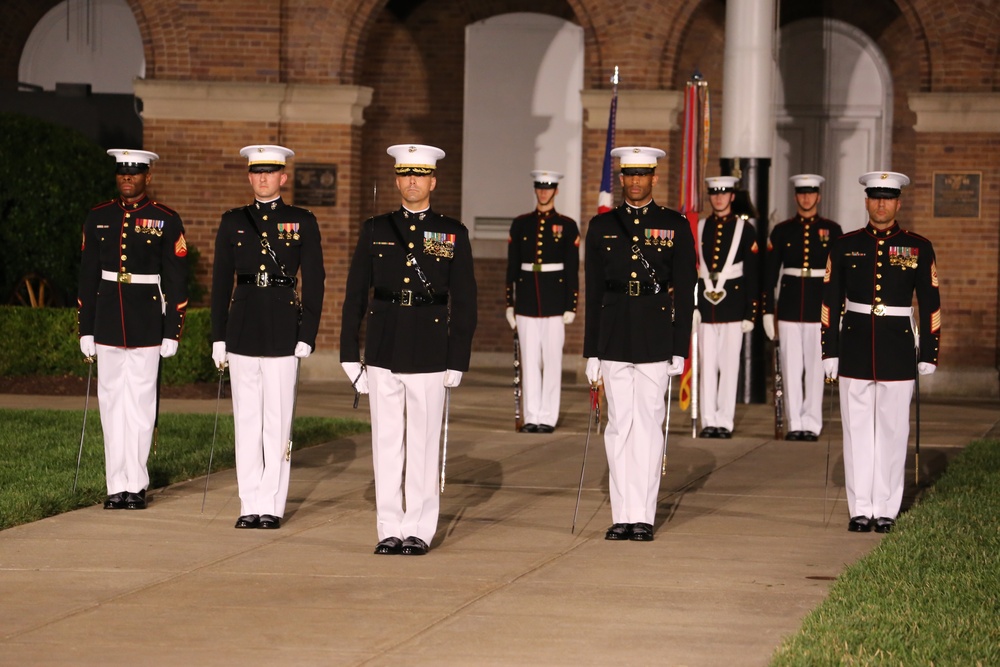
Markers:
(878, 309)
(634, 288)
(263, 279)
(406, 297)
(536, 268)
(125, 277)
(806, 273)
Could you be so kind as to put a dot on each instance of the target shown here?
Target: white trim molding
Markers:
(637, 109)
(956, 112)
(255, 102)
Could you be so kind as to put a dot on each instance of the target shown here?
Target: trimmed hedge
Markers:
(43, 341)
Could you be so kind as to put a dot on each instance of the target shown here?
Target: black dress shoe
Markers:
(413, 546)
(723, 433)
(116, 501)
(619, 531)
(793, 435)
(248, 521)
(884, 524)
(545, 428)
(529, 428)
(388, 546)
(809, 436)
(135, 501)
(641, 532)
(859, 524)
(709, 432)
(269, 522)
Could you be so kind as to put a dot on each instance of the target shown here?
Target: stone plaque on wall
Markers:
(956, 195)
(315, 185)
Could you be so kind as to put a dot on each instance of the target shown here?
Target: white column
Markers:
(749, 67)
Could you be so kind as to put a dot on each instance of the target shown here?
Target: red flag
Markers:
(693, 165)
(605, 199)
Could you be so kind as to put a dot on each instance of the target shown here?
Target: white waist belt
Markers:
(138, 278)
(878, 309)
(543, 268)
(804, 273)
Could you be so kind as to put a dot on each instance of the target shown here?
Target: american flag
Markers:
(605, 200)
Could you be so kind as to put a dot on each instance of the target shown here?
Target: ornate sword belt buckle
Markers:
(263, 279)
(125, 277)
(634, 288)
(406, 297)
(878, 309)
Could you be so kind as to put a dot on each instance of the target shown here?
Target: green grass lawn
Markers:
(38, 452)
(929, 594)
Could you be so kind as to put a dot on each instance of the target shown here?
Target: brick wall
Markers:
(412, 54)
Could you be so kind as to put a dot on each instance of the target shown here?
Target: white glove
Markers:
(303, 350)
(356, 375)
(568, 317)
(593, 370)
(87, 346)
(219, 354)
(746, 326)
(676, 366)
(768, 323)
(168, 348)
(452, 378)
(830, 367)
(925, 368)
(696, 319)
(509, 313)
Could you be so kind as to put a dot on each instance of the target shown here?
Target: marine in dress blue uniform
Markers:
(267, 296)
(727, 303)
(543, 284)
(871, 277)
(796, 262)
(412, 276)
(131, 306)
(640, 277)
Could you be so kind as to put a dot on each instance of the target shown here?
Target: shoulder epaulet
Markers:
(103, 204)
(854, 232)
(916, 236)
(163, 207)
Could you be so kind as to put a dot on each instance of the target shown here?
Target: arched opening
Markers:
(833, 115)
(522, 112)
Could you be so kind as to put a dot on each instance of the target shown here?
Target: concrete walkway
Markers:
(747, 543)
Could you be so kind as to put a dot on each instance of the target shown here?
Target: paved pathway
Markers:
(747, 543)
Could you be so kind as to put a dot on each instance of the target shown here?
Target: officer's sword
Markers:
(666, 428)
(215, 431)
(86, 406)
(595, 410)
(444, 444)
(295, 401)
(829, 438)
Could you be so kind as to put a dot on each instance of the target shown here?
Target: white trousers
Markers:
(802, 372)
(541, 366)
(263, 402)
(876, 417)
(633, 439)
(126, 391)
(407, 410)
(719, 346)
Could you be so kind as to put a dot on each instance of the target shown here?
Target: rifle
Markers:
(779, 393)
(518, 417)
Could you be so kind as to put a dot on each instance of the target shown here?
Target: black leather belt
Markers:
(264, 279)
(634, 287)
(410, 298)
